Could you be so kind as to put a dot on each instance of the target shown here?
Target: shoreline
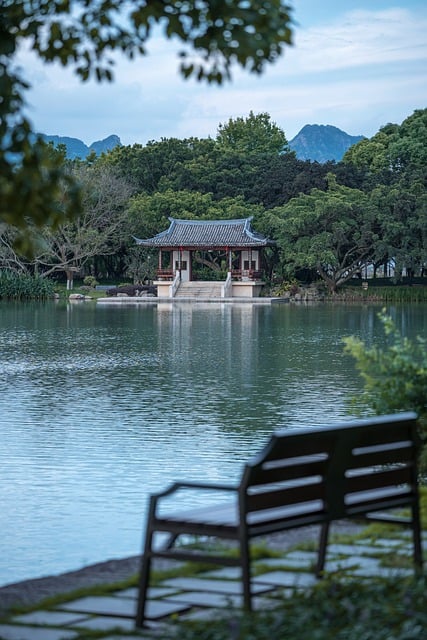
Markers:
(29, 593)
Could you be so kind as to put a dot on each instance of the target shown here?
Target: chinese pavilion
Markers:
(184, 243)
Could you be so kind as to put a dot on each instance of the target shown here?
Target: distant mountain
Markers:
(322, 142)
(77, 149)
(316, 142)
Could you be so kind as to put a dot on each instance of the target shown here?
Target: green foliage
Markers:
(395, 377)
(149, 214)
(395, 149)
(82, 34)
(372, 610)
(15, 286)
(392, 293)
(331, 232)
(90, 281)
(255, 134)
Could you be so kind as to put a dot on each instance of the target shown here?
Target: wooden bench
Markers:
(358, 469)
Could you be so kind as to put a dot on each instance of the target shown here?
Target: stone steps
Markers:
(202, 289)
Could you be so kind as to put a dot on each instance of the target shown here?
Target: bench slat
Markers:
(287, 496)
(290, 470)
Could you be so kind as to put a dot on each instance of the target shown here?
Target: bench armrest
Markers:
(176, 486)
(155, 498)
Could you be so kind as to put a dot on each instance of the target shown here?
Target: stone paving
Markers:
(201, 596)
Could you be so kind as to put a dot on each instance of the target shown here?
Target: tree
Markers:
(149, 168)
(255, 134)
(96, 231)
(149, 214)
(394, 161)
(403, 227)
(395, 376)
(332, 232)
(395, 151)
(82, 34)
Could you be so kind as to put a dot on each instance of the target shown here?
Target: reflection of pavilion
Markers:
(230, 246)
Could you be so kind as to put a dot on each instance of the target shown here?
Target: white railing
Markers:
(226, 289)
(175, 284)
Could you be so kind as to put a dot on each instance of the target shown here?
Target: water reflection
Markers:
(101, 406)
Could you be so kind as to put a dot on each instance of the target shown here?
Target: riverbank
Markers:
(29, 593)
(367, 577)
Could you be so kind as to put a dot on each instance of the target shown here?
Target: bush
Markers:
(395, 377)
(14, 286)
(372, 610)
(90, 281)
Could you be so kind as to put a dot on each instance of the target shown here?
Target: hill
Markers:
(320, 142)
(77, 149)
(315, 142)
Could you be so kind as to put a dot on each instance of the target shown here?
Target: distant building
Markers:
(183, 245)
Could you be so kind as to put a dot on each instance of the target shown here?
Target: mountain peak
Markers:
(322, 142)
(78, 149)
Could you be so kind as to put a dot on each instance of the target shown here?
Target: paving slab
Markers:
(201, 613)
(162, 608)
(12, 632)
(286, 579)
(203, 599)
(353, 562)
(102, 605)
(390, 542)
(381, 572)
(297, 563)
(215, 586)
(227, 573)
(153, 592)
(103, 623)
(307, 556)
(49, 618)
(351, 550)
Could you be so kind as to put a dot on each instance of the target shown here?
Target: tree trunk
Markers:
(70, 278)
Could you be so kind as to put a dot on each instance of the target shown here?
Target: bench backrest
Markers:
(306, 476)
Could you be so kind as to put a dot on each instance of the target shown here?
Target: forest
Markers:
(330, 222)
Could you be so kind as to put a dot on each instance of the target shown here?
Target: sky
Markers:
(354, 65)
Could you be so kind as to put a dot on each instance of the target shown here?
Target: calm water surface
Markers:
(101, 405)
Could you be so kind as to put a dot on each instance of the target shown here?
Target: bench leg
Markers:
(246, 572)
(416, 534)
(144, 579)
(323, 543)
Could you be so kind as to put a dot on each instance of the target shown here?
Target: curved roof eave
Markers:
(235, 233)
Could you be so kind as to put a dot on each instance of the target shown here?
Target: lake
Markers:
(102, 405)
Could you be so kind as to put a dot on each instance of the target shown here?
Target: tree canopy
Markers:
(255, 134)
(395, 151)
(331, 232)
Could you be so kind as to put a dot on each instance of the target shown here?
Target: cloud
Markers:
(358, 71)
(360, 38)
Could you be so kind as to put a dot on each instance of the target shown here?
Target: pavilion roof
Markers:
(207, 234)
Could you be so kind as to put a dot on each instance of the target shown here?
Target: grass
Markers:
(64, 293)
(395, 293)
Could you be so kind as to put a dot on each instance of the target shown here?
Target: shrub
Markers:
(90, 281)
(14, 286)
(395, 377)
(372, 610)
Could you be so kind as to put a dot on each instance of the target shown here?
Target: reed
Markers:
(14, 286)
